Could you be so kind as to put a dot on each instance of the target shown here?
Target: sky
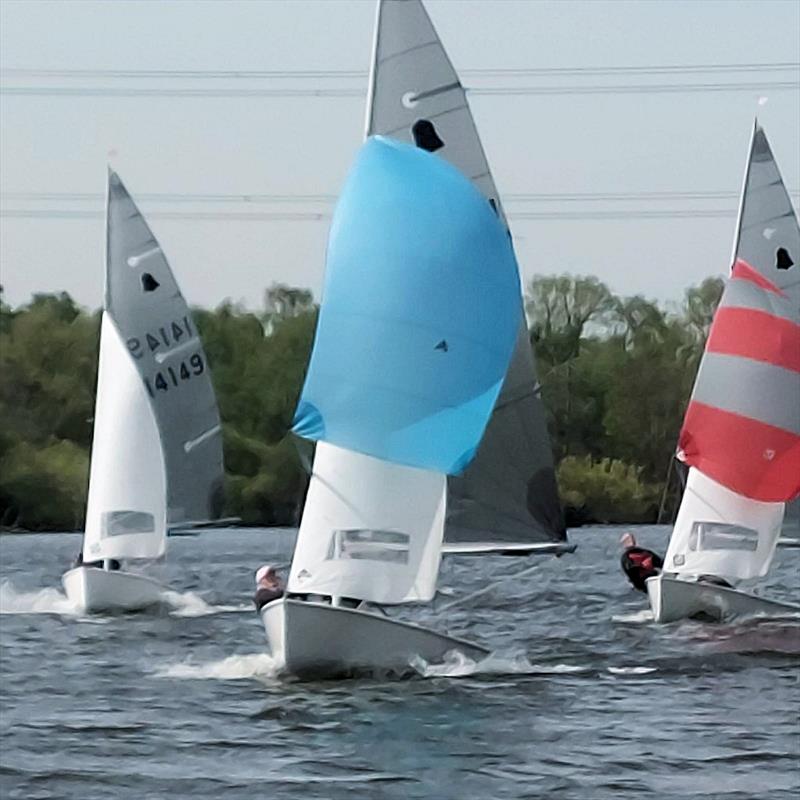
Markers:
(237, 173)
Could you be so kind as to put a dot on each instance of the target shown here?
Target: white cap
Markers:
(263, 572)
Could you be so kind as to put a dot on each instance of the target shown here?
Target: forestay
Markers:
(508, 494)
(741, 433)
(414, 334)
(359, 537)
(162, 344)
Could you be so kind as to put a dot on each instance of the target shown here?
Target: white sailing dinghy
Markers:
(741, 434)
(505, 501)
(157, 447)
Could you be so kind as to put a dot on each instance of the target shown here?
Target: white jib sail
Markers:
(371, 530)
(126, 511)
(719, 532)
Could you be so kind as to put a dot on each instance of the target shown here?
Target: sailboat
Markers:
(157, 447)
(741, 433)
(504, 501)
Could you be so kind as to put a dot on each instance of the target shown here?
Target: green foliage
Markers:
(44, 488)
(615, 373)
(607, 491)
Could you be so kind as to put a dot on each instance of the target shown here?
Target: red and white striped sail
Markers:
(741, 433)
(742, 427)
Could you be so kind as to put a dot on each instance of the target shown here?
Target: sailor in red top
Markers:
(638, 563)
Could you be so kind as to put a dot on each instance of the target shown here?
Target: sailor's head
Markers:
(266, 575)
(628, 539)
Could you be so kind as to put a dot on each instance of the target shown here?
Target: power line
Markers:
(341, 92)
(171, 197)
(253, 198)
(284, 74)
(302, 216)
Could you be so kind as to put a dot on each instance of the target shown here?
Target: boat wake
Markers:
(632, 670)
(190, 604)
(457, 665)
(640, 617)
(233, 668)
(41, 601)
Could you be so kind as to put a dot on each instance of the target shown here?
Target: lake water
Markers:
(583, 697)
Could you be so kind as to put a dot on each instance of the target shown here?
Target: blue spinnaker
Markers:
(420, 312)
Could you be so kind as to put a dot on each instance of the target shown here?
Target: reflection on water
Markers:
(582, 698)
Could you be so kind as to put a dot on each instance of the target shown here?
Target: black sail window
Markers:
(149, 283)
(425, 136)
(782, 259)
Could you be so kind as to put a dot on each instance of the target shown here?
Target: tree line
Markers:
(615, 375)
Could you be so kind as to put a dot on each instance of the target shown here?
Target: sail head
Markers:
(769, 234)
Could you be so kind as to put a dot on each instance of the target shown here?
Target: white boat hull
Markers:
(92, 590)
(316, 640)
(673, 599)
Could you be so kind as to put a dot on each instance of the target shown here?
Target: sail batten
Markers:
(410, 69)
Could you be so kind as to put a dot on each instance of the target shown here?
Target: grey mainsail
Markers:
(768, 234)
(147, 308)
(508, 495)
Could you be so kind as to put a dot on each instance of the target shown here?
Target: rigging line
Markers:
(486, 589)
(643, 88)
(501, 91)
(302, 74)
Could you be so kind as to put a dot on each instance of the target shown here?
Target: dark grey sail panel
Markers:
(769, 235)
(148, 309)
(508, 494)
(791, 518)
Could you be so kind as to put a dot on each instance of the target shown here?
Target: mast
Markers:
(372, 68)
